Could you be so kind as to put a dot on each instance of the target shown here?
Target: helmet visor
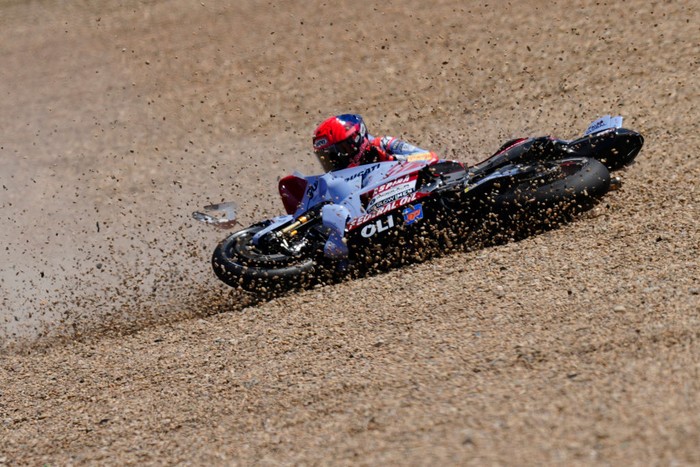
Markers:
(337, 156)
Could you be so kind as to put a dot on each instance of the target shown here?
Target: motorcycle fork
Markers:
(293, 228)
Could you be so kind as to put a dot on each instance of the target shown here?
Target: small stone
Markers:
(500, 292)
(619, 309)
(468, 437)
(694, 291)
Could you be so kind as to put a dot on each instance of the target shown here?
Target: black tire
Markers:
(239, 263)
(581, 180)
(556, 191)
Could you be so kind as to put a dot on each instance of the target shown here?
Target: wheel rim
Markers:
(243, 251)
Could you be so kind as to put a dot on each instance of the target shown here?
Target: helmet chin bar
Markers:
(357, 160)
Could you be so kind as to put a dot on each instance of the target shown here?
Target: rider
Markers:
(342, 141)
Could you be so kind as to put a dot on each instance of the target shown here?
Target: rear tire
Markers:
(559, 190)
(581, 181)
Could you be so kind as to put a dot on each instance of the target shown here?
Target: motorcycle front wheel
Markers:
(238, 262)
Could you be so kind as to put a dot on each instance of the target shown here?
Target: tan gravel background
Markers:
(578, 346)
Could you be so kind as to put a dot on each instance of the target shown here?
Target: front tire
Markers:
(239, 263)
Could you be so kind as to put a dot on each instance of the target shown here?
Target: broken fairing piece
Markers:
(223, 215)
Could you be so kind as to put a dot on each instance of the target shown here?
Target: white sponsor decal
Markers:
(392, 191)
(604, 123)
(378, 202)
(378, 226)
(393, 183)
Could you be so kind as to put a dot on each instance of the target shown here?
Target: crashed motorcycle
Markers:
(387, 212)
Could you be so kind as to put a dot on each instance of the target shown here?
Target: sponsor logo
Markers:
(392, 191)
(413, 214)
(382, 200)
(378, 226)
(320, 143)
(363, 173)
(597, 125)
(393, 183)
(358, 221)
(311, 191)
(423, 156)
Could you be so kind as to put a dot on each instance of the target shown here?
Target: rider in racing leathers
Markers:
(342, 141)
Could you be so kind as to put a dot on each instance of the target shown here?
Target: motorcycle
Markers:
(387, 212)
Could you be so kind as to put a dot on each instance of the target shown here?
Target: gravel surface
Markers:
(119, 346)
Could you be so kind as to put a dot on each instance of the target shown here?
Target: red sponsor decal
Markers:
(354, 223)
(393, 183)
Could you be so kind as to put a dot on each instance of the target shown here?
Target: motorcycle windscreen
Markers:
(292, 190)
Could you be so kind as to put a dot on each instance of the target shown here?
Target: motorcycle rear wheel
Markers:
(556, 191)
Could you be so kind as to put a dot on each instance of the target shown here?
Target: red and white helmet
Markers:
(341, 141)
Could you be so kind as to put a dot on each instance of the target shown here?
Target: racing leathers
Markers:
(387, 148)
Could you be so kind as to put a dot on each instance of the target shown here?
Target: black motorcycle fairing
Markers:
(614, 148)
